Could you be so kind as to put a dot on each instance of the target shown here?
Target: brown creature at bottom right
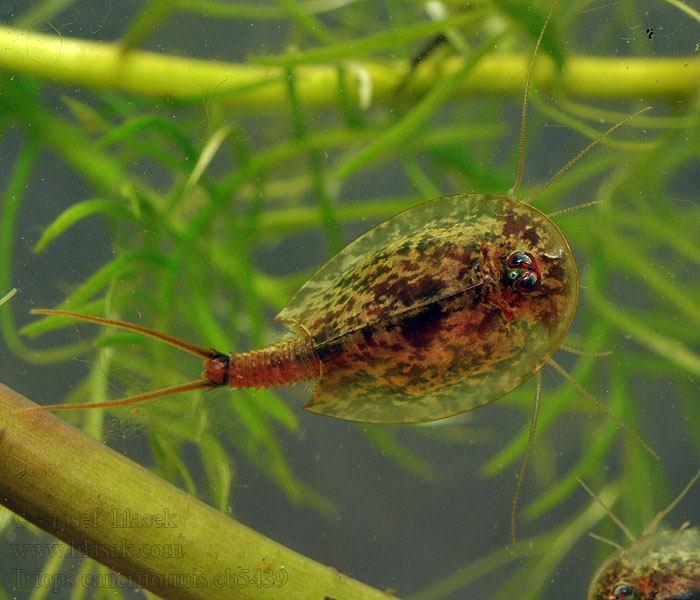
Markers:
(662, 566)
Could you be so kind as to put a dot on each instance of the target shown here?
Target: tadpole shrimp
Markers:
(444, 308)
(658, 565)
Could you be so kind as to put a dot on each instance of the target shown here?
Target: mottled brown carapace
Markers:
(422, 318)
(661, 566)
(445, 307)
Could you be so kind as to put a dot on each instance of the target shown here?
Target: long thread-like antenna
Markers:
(168, 339)
(600, 406)
(657, 519)
(571, 162)
(523, 118)
(526, 456)
(611, 514)
(523, 126)
(171, 391)
(163, 337)
(649, 529)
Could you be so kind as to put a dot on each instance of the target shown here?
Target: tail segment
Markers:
(283, 364)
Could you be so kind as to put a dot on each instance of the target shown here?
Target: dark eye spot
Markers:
(519, 258)
(521, 272)
(528, 282)
(623, 590)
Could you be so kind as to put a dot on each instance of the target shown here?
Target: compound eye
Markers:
(528, 282)
(520, 258)
(521, 272)
(623, 590)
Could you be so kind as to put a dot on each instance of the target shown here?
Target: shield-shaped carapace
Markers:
(443, 308)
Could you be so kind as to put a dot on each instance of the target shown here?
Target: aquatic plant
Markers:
(212, 190)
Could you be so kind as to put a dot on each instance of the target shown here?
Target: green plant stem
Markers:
(252, 86)
(76, 489)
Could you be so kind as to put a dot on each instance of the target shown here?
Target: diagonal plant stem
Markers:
(94, 498)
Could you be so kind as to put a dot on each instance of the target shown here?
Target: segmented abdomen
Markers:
(283, 364)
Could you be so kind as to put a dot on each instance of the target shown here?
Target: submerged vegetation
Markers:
(209, 191)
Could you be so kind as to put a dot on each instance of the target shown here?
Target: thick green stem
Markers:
(142, 527)
(258, 86)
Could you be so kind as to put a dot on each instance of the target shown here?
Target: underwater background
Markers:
(199, 212)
